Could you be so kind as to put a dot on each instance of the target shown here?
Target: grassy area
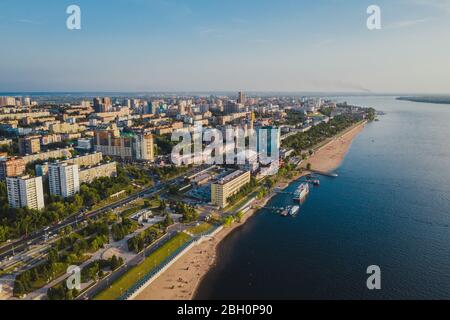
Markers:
(201, 228)
(240, 203)
(129, 212)
(136, 273)
(154, 203)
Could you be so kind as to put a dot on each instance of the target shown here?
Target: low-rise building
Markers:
(43, 156)
(22, 115)
(87, 160)
(50, 138)
(11, 167)
(66, 128)
(5, 142)
(84, 144)
(29, 145)
(103, 170)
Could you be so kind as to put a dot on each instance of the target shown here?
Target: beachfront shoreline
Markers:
(182, 280)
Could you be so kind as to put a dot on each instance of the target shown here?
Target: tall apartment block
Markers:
(125, 145)
(25, 191)
(63, 179)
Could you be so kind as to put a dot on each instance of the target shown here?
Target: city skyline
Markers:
(207, 46)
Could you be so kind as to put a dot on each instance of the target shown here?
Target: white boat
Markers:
(294, 210)
(301, 193)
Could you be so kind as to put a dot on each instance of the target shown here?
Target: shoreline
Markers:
(182, 280)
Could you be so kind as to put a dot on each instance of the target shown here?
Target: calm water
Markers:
(389, 207)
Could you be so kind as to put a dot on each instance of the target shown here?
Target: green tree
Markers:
(53, 255)
(239, 215)
(168, 221)
(116, 262)
(228, 221)
(3, 233)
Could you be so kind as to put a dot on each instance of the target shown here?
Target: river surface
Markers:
(390, 207)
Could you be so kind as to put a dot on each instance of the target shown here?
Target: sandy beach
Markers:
(331, 155)
(181, 280)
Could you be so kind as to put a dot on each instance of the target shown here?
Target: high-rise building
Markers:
(241, 98)
(268, 140)
(102, 104)
(63, 179)
(127, 103)
(29, 145)
(19, 101)
(125, 145)
(135, 103)
(107, 102)
(97, 103)
(25, 191)
(228, 186)
(144, 147)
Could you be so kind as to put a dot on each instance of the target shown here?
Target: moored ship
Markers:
(294, 210)
(301, 193)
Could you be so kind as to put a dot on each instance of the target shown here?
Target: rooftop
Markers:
(230, 177)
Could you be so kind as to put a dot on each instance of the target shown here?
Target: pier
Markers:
(325, 174)
(283, 192)
(273, 208)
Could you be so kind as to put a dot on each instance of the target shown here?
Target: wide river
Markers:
(390, 207)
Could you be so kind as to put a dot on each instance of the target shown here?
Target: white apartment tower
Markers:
(144, 147)
(63, 179)
(25, 191)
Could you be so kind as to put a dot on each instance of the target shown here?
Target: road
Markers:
(39, 237)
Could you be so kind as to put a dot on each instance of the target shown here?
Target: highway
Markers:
(39, 237)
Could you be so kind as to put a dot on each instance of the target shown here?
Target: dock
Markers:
(273, 208)
(325, 174)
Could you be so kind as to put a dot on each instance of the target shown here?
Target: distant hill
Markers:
(430, 99)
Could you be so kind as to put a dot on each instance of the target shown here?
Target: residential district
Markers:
(89, 182)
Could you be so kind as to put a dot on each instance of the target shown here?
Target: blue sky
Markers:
(208, 45)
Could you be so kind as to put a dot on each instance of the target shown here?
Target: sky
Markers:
(227, 45)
